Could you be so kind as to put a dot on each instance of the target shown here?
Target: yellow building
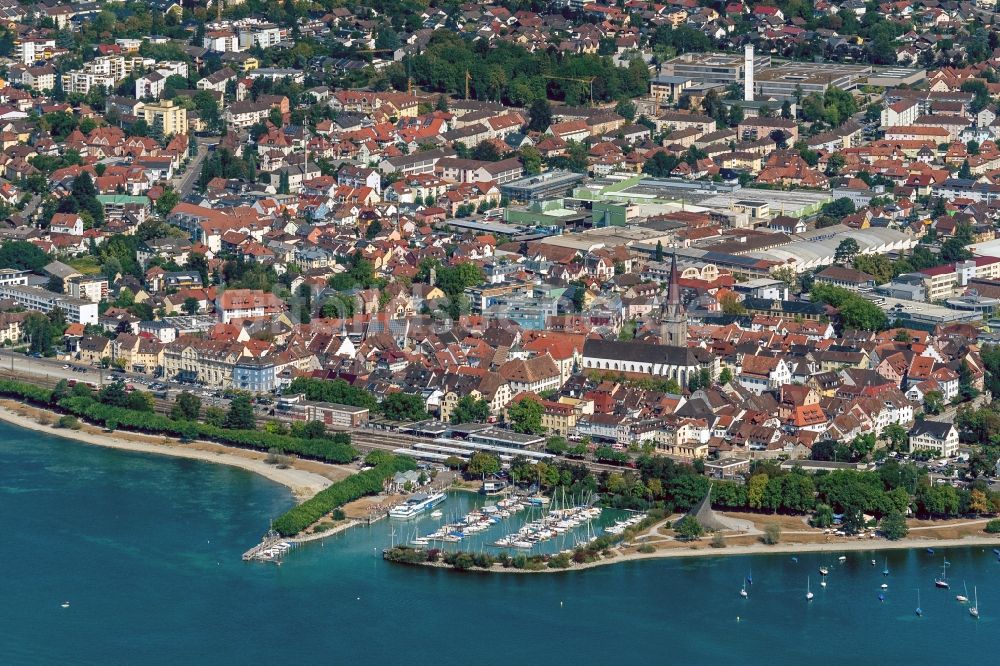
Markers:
(166, 118)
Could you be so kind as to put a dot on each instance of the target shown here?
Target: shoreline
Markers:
(302, 483)
(751, 550)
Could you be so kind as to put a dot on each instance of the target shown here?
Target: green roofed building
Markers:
(117, 205)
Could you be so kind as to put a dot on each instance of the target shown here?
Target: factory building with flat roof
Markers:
(712, 67)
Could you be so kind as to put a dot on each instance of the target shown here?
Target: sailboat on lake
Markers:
(974, 611)
(942, 582)
(809, 594)
(919, 611)
(885, 572)
(963, 598)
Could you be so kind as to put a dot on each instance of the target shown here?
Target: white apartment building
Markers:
(77, 310)
(30, 51)
(264, 36)
(222, 41)
(105, 71)
(88, 288)
(13, 276)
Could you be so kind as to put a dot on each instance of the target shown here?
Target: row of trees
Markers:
(113, 407)
(886, 494)
(510, 74)
(369, 482)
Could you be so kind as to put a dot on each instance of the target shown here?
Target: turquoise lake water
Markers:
(147, 551)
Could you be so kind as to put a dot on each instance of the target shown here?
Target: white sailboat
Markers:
(942, 582)
(743, 592)
(919, 611)
(809, 594)
(963, 598)
(974, 611)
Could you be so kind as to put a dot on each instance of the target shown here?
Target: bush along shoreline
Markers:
(368, 482)
(335, 448)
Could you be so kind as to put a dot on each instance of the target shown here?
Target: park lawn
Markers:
(86, 265)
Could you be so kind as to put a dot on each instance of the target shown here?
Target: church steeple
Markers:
(673, 316)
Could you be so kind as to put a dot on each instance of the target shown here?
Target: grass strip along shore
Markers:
(332, 449)
(368, 482)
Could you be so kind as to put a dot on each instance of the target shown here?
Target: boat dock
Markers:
(270, 549)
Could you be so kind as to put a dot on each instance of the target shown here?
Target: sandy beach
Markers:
(303, 478)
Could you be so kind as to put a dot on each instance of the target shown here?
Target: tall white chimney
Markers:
(748, 73)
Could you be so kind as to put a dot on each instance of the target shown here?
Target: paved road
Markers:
(51, 368)
(184, 185)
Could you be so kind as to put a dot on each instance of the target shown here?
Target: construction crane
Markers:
(589, 81)
(409, 79)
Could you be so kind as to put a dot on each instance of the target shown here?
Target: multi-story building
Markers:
(88, 288)
(166, 118)
(332, 415)
(943, 282)
(40, 78)
(938, 436)
(77, 311)
(206, 361)
(30, 51)
(13, 276)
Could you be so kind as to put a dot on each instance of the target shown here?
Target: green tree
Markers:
(688, 528)
(846, 250)
(933, 402)
(470, 410)
(556, 445)
(896, 436)
(23, 256)
(893, 526)
(756, 490)
(539, 115)
(186, 407)
(531, 159)
(241, 415)
(483, 464)
(190, 305)
(525, 416)
(37, 329)
(403, 407)
(167, 201)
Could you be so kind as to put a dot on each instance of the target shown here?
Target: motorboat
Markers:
(417, 504)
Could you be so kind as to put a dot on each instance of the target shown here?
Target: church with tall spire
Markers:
(673, 315)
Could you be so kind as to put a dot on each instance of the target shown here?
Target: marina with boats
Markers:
(271, 549)
(523, 522)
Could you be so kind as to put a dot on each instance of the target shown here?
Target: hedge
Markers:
(369, 482)
(335, 449)
(23, 391)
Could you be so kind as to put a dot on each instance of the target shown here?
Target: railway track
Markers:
(363, 439)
